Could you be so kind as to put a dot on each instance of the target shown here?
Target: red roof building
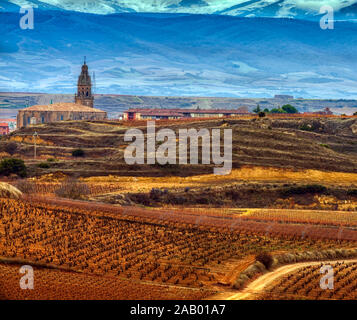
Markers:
(154, 114)
(4, 128)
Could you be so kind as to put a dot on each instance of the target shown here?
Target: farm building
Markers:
(154, 114)
(4, 128)
(10, 122)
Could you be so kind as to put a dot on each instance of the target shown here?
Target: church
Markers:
(81, 109)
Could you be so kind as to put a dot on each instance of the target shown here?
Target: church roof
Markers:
(62, 106)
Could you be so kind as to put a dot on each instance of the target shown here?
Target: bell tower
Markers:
(84, 88)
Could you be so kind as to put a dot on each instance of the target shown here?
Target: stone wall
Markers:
(28, 118)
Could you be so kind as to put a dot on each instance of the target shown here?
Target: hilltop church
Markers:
(81, 109)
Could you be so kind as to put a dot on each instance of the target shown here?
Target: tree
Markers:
(15, 166)
(78, 153)
(288, 108)
(265, 258)
(257, 109)
(266, 110)
(355, 114)
(277, 110)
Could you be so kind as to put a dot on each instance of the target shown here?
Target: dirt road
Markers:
(258, 286)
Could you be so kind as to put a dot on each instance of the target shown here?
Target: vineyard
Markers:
(316, 217)
(106, 242)
(35, 187)
(305, 284)
(52, 284)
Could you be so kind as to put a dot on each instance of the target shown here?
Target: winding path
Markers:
(257, 286)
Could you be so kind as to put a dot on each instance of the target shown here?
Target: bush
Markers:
(9, 147)
(261, 114)
(44, 165)
(265, 258)
(352, 192)
(313, 188)
(306, 127)
(277, 110)
(72, 189)
(51, 160)
(78, 153)
(288, 108)
(26, 186)
(325, 145)
(13, 166)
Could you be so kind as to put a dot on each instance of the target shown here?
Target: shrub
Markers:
(313, 188)
(72, 189)
(26, 186)
(288, 108)
(51, 160)
(277, 110)
(9, 147)
(265, 258)
(306, 127)
(155, 194)
(44, 165)
(352, 192)
(15, 166)
(78, 153)
(325, 145)
(261, 114)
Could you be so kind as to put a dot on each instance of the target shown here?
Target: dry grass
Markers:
(335, 218)
(244, 174)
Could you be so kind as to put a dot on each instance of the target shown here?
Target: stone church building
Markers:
(81, 109)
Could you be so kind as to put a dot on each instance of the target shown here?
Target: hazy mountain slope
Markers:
(255, 8)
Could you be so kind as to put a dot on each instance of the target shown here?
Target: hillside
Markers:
(330, 145)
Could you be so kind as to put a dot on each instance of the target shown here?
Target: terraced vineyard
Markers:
(305, 284)
(54, 284)
(102, 241)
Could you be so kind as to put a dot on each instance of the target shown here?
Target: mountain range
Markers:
(301, 9)
(159, 53)
(179, 55)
